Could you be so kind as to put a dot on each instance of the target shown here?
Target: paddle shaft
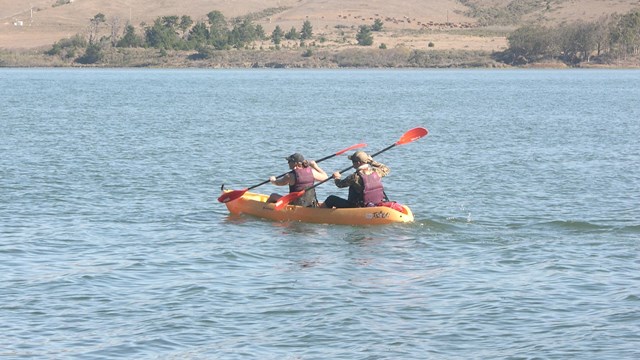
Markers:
(281, 175)
(347, 169)
(235, 194)
(409, 136)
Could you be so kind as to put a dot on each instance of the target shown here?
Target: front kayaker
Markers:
(365, 185)
(303, 174)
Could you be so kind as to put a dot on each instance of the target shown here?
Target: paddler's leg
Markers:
(273, 198)
(337, 202)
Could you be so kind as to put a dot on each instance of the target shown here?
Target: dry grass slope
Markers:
(40, 23)
(453, 27)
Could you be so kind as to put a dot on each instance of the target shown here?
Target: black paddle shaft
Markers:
(281, 175)
(347, 169)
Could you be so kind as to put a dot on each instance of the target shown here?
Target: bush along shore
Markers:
(400, 57)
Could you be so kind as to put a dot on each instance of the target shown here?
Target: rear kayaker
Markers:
(255, 204)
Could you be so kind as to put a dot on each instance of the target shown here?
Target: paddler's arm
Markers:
(318, 173)
(282, 181)
(346, 182)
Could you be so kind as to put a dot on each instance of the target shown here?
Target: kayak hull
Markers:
(255, 204)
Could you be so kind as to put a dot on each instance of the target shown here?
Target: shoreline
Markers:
(307, 58)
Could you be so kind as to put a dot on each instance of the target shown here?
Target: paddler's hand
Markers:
(337, 175)
(272, 179)
(369, 159)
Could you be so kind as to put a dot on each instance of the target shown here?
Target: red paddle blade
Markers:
(412, 135)
(285, 200)
(356, 146)
(231, 195)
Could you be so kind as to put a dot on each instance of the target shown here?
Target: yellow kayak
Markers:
(256, 205)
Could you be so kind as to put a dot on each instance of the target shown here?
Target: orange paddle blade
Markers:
(232, 195)
(285, 200)
(356, 146)
(412, 135)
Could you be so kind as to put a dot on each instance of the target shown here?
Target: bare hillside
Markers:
(43, 23)
(550, 11)
(412, 23)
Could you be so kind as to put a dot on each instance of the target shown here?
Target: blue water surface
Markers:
(526, 194)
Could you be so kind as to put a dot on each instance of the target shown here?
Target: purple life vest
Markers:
(372, 190)
(304, 179)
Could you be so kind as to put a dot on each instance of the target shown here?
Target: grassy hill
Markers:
(37, 23)
(445, 25)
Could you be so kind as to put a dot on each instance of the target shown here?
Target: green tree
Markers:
(260, 32)
(579, 42)
(626, 33)
(364, 36)
(377, 25)
(619, 35)
(277, 35)
(218, 30)
(185, 24)
(163, 34)
(198, 35)
(67, 47)
(171, 21)
(92, 55)
(307, 30)
(130, 38)
(292, 34)
(242, 33)
(529, 43)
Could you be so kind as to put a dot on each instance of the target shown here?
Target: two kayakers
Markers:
(365, 185)
(303, 174)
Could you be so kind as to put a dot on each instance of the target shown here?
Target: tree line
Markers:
(608, 38)
(182, 33)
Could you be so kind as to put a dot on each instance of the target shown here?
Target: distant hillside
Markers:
(550, 12)
(411, 23)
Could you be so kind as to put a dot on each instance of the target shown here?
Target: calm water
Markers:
(526, 194)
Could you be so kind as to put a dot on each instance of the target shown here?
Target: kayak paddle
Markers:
(234, 194)
(409, 136)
